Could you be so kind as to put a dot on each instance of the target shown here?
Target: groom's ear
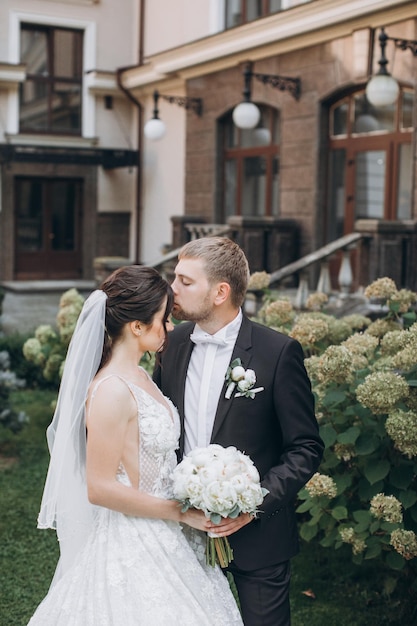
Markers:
(222, 293)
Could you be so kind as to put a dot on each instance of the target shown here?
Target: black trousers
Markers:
(264, 594)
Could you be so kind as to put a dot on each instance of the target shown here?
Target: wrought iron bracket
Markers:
(283, 83)
(401, 44)
(192, 104)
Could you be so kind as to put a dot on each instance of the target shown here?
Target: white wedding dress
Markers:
(142, 572)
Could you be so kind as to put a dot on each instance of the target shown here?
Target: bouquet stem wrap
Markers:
(218, 550)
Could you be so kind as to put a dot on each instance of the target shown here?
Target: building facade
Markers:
(68, 137)
(82, 176)
(321, 162)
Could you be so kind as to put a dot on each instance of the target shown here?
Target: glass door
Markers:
(48, 228)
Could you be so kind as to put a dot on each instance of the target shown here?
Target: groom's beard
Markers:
(203, 313)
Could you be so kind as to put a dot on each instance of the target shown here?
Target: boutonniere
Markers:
(244, 380)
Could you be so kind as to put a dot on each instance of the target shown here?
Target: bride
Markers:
(125, 560)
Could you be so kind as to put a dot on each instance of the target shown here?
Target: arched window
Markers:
(251, 167)
(370, 162)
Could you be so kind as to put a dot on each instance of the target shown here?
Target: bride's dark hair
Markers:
(134, 292)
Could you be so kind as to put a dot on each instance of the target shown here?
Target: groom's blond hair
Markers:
(224, 261)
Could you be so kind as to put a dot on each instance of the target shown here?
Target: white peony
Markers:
(238, 373)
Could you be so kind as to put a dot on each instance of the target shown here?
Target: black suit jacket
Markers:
(277, 429)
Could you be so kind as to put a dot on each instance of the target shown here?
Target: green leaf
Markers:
(349, 436)
(215, 518)
(376, 470)
(374, 526)
(373, 551)
(333, 398)
(366, 444)
(413, 511)
(304, 507)
(367, 491)
(401, 476)
(342, 482)
(363, 518)
(308, 532)
(407, 498)
(234, 512)
(339, 512)
(395, 560)
(328, 434)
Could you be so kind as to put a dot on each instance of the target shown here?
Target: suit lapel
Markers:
(242, 351)
(181, 365)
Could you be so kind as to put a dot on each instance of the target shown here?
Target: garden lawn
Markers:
(344, 593)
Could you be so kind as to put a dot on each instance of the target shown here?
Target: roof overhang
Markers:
(299, 28)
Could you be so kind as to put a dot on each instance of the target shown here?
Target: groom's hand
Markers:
(228, 526)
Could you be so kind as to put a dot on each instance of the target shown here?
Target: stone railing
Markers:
(345, 276)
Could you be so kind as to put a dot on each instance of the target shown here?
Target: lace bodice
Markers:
(159, 430)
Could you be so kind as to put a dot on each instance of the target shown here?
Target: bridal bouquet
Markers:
(222, 482)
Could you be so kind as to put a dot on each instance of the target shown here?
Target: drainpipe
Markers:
(136, 102)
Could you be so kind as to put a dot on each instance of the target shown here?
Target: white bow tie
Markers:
(206, 338)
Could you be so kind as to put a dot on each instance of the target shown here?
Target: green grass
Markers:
(345, 594)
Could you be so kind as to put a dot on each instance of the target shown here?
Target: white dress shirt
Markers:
(205, 379)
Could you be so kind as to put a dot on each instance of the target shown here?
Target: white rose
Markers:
(239, 483)
(201, 457)
(180, 486)
(220, 498)
(250, 376)
(250, 498)
(244, 385)
(194, 491)
(231, 469)
(211, 473)
(238, 373)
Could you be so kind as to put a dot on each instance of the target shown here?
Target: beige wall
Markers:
(174, 23)
(111, 41)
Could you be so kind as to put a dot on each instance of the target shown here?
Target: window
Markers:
(251, 167)
(242, 11)
(50, 97)
(370, 162)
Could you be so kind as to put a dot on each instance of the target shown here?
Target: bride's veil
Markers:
(65, 506)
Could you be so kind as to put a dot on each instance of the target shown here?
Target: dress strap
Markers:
(98, 383)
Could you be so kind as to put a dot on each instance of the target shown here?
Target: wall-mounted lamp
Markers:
(246, 114)
(382, 89)
(155, 128)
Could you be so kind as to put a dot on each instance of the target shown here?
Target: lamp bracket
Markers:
(192, 104)
(283, 83)
(405, 44)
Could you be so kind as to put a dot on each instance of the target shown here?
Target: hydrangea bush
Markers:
(9, 418)
(48, 347)
(364, 377)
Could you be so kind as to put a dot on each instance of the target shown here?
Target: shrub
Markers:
(47, 349)
(364, 378)
(13, 344)
(9, 418)
(365, 385)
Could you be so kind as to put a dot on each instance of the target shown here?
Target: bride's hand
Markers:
(228, 526)
(196, 519)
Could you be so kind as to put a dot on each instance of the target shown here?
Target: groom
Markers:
(277, 427)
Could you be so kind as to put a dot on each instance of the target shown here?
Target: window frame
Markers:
(352, 143)
(238, 154)
(51, 78)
